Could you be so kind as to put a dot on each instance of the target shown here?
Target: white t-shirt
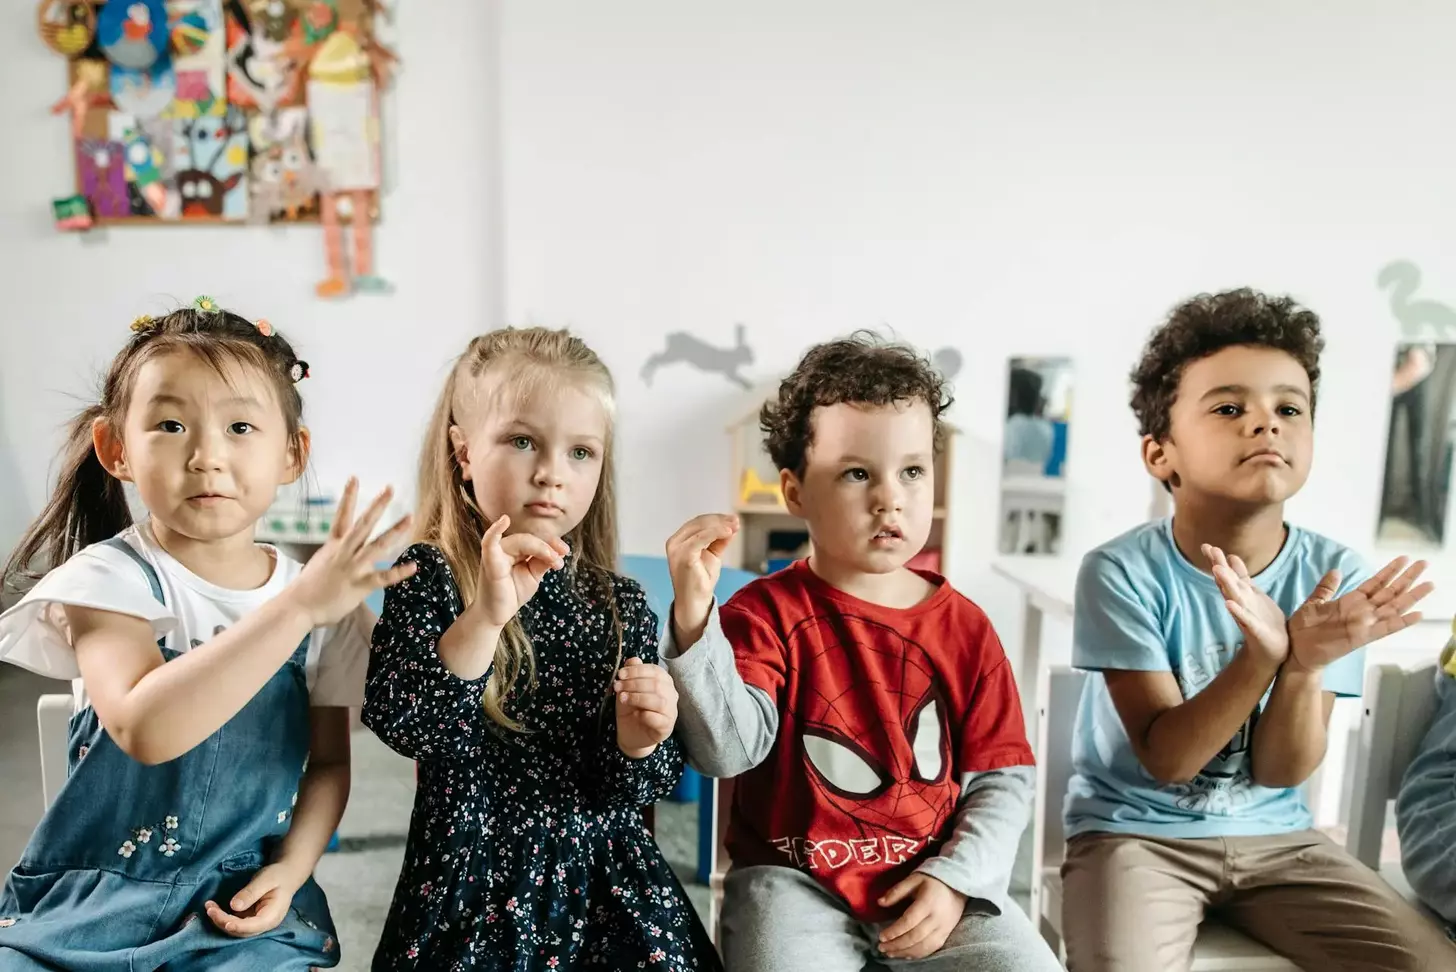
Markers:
(34, 633)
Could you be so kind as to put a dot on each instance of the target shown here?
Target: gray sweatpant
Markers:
(778, 919)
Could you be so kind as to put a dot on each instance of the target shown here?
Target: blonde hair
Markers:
(529, 360)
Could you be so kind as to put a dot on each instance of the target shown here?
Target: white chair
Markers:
(1399, 705)
(722, 799)
(1219, 948)
(53, 714)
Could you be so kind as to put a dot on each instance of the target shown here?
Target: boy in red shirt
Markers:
(866, 708)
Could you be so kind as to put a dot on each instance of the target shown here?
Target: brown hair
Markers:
(859, 370)
(447, 516)
(88, 504)
(1208, 323)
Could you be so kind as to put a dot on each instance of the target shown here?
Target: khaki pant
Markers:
(1133, 904)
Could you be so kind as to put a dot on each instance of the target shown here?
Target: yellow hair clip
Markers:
(142, 323)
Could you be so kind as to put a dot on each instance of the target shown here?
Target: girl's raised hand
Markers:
(511, 568)
(345, 569)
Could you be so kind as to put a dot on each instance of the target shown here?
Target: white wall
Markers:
(377, 361)
(1011, 179)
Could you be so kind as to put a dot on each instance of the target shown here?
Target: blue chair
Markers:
(656, 580)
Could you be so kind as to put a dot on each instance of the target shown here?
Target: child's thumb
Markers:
(1326, 588)
(247, 897)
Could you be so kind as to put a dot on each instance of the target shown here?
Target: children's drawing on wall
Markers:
(1034, 455)
(1418, 451)
(237, 111)
(682, 347)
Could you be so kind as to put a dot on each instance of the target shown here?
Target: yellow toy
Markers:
(753, 486)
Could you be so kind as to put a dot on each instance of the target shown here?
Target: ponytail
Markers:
(87, 506)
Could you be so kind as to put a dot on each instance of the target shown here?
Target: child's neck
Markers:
(1253, 535)
(901, 588)
(236, 562)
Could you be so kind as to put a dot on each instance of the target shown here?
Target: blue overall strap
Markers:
(148, 571)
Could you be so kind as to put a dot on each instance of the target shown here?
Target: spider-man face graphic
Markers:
(881, 757)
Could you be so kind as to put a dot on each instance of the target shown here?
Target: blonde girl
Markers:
(520, 671)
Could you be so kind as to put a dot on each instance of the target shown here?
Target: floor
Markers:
(358, 878)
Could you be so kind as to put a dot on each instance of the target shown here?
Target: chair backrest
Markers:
(1059, 692)
(1399, 704)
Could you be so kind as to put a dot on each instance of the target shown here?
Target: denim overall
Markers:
(115, 877)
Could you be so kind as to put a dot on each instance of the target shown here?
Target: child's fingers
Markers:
(906, 924)
(899, 893)
(645, 678)
(1407, 600)
(519, 546)
(495, 531)
(1327, 587)
(386, 545)
(266, 919)
(1400, 584)
(249, 896)
(359, 532)
(645, 701)
(393, 575)
(1239, 567)
(345, 512)
(1383, 576)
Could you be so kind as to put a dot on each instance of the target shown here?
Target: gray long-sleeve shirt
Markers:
(728, 727)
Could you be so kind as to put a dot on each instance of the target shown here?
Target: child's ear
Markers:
(792, 490)
(109, 450)
(298, 452)
(462, 453)
(1158, 460)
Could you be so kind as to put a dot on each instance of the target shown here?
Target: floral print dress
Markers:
(527, 850)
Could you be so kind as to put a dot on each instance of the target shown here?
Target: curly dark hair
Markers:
(1208, 323)
(860, 369)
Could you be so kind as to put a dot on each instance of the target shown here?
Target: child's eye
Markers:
(1229, 410)
(1290, 410)
(170, 425)
(856, 475)
(581, 453)
(914, 472)
(521, 442)
(240, 428)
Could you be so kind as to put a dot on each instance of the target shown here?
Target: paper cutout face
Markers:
(283, 179)
(133, 33)
(213, 182)
(260, 72)
(273, 19)
(67, 26)
(145, 94)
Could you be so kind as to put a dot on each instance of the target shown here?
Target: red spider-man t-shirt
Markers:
(881, 712)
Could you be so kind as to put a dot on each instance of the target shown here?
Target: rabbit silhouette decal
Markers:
(691, 349)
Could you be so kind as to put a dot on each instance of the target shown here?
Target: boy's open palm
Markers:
(646, 707)
(511, 568)
(1260, 619)
(1325, 628)
(345, 570)
(695, 560)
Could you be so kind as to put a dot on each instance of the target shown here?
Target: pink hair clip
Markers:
(264, 328)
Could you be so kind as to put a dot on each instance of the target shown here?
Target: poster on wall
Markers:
(224, 111)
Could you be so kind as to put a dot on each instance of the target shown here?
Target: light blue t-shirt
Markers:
(1142, 606)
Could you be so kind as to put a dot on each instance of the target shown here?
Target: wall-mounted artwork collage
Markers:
(225, 111)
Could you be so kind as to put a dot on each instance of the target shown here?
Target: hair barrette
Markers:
(264, 328)
(206, 304)
(142, 323)
(298, 371)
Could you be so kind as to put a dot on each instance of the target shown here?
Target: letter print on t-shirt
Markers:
(875, 739)
(1223, 785)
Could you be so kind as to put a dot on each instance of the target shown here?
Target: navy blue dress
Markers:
(527, 851)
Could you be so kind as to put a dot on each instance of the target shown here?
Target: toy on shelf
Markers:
(227, 111)
(754, 485)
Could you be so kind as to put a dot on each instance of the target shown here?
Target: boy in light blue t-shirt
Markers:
(1220, 639)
